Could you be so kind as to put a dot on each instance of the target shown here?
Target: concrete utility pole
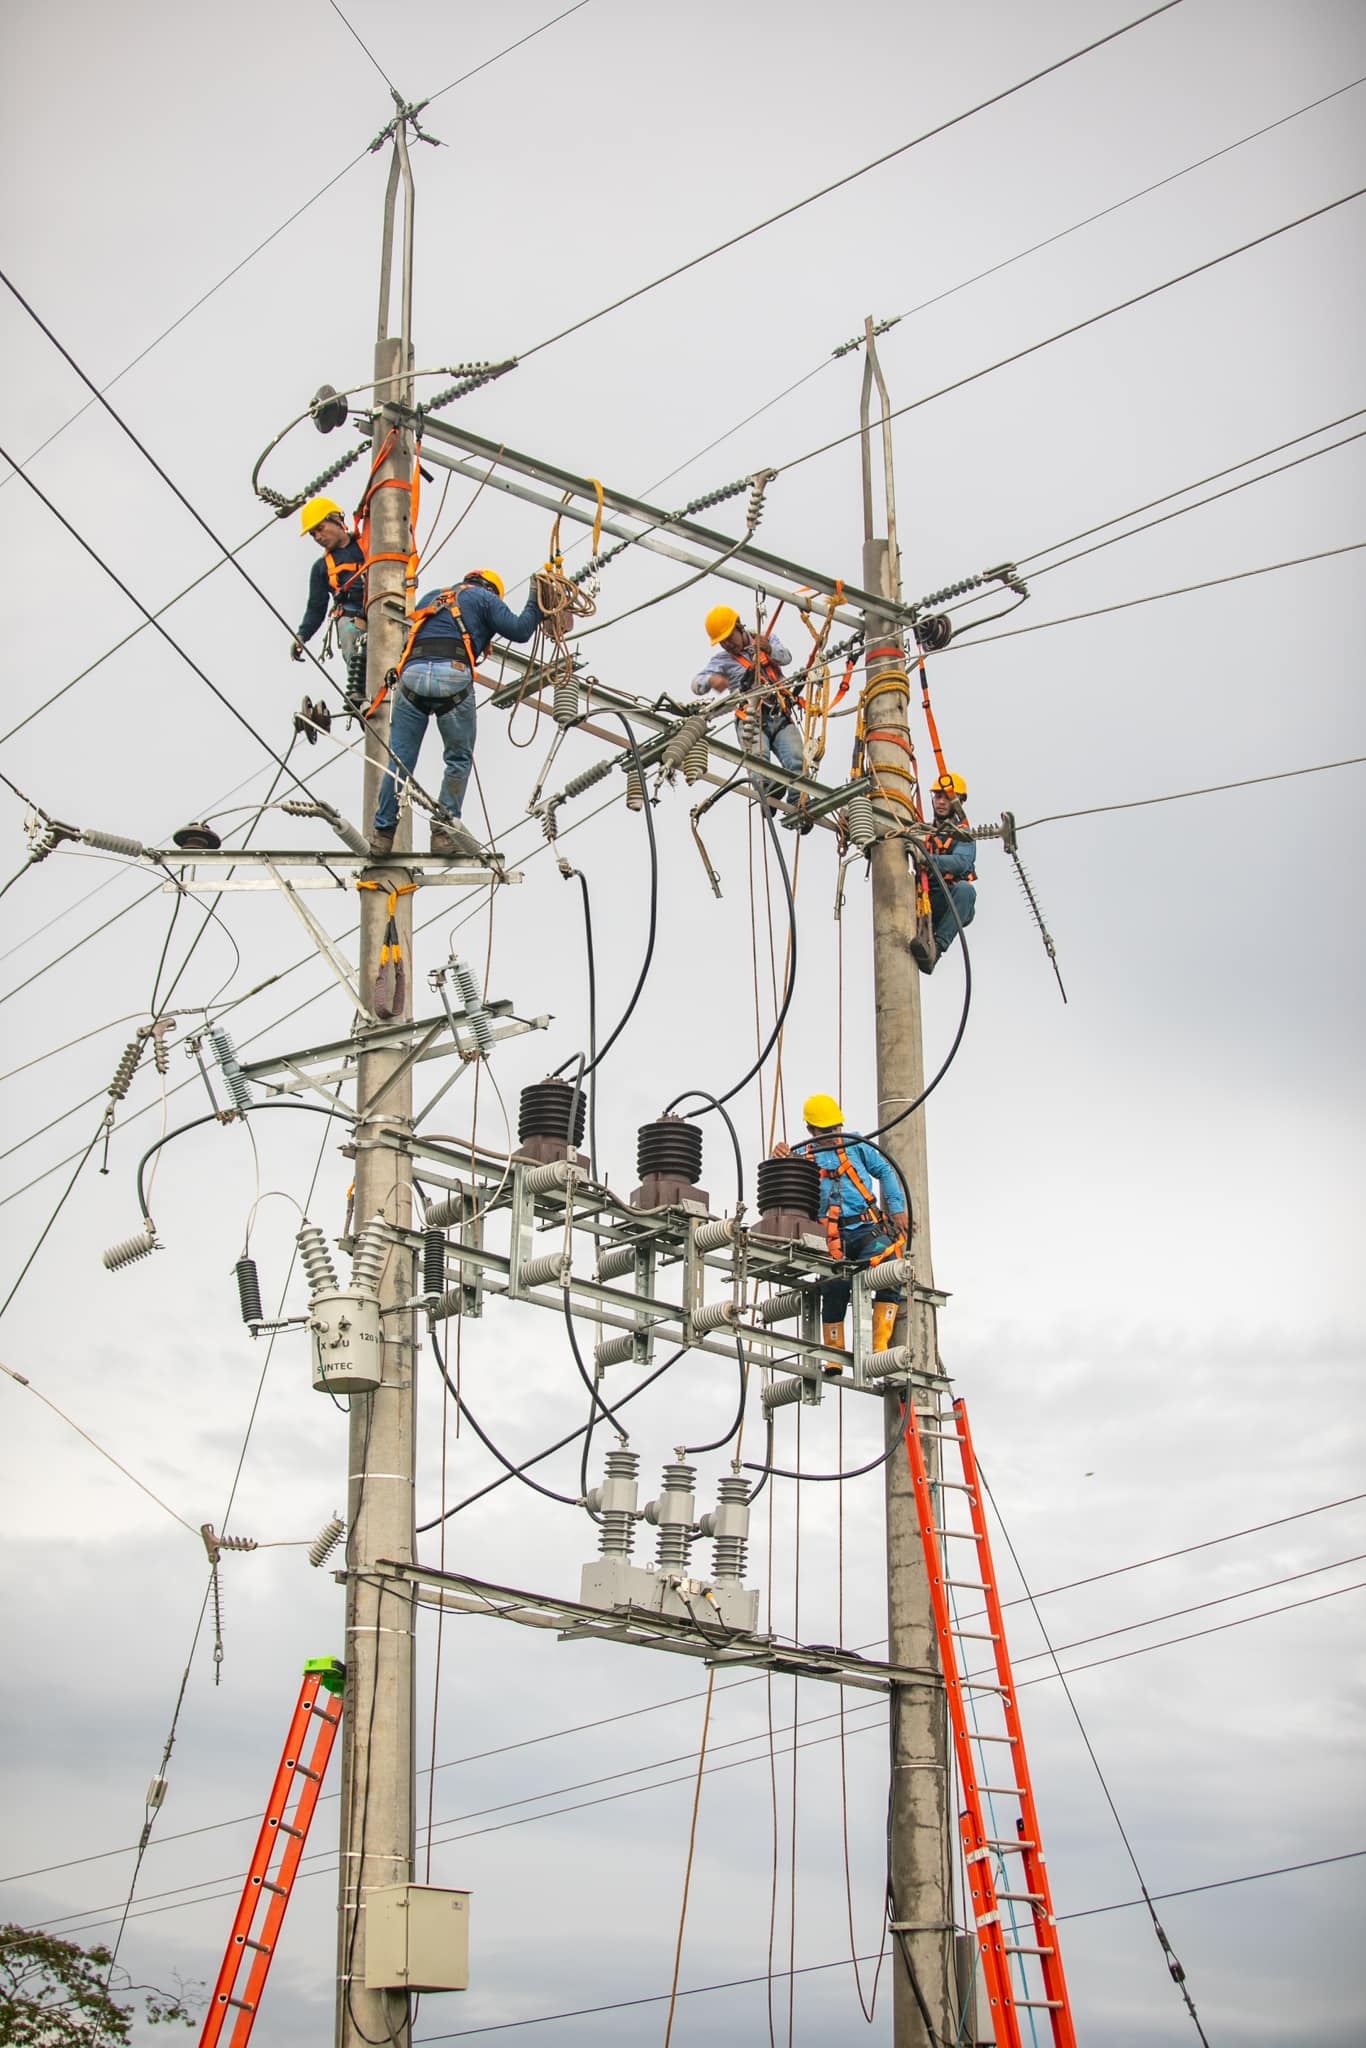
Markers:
(377, 1732)
(920, 1824)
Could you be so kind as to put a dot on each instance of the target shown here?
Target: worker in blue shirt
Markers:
(860, 1229)
(451, 632)
(951, 870)
(338, 578)
(740, 664)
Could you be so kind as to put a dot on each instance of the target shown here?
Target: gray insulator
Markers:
(550, 1266)
(681, 743)
(614, 1351)
(729, 1527)
(234, 1080)
(130, 1249)
(617, 1504)
(711, 1236)
(620, 1258)
(900, 1358)
(891, 1273)
(779, 1307)
(345, 830)
(449, 1210)
(579, 783)
(782, 1393)
(566, 700)
(326, 1540)
(322, 1274)
(673, 1513)
(433, 1263)
(109, 842)
(476, 1015)
(858, 815)
(635, 790)
(714, 1315)
(550, 823)
(452, 1303)
(369, 1257)
(555, 1173)
(249, 1291)
(696, 758)
(126, 1068)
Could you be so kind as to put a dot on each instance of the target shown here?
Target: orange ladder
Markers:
(321, 1674)
(1021, 1966)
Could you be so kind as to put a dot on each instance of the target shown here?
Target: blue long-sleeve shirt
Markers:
(352, 597)
(483, 615)
(955, 860)
(871, 1168)
(738, 676)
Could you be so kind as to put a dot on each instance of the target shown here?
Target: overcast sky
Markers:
(1146, 1203)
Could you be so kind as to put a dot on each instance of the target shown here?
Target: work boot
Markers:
(381, 843)
(833, 1336)
(922, 952)
(455, 842)
(884, 1322)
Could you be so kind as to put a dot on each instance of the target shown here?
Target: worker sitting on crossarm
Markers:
(951, 865)
(451, 632)
(859, 1228)
(739, 665)
(338, 577)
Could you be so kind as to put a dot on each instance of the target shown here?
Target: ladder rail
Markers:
(291, 1772)
(1033, 1859)
(982, 1848)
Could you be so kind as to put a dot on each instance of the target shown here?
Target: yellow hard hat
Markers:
(316, 510)
(952, 785)
(486, 576)
(721, 622)
(823, 1112)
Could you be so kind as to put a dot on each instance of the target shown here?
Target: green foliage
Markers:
(54, 1994)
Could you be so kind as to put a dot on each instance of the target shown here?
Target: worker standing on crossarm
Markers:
(740, 665)
(450, 634)
(860, 1228)
(337, 577)
(951, 871)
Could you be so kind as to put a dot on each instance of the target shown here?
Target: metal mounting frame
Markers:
(428, 874)
(722, 1648)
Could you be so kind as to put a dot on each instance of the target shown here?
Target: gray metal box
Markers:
(417, 1938)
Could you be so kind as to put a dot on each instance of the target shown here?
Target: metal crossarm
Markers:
(281, 1843)
(1021, 1960)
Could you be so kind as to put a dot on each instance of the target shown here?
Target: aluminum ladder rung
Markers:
(1021, 1948)
(1041, 2004)
(962, 1535)
(1003, 1791)
(1023, 1898)
(958, 1485)
(974, 1635)
(1015, 1848)
(968, 1585)
(978, 1736)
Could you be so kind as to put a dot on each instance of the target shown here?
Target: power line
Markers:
(366, 48)
(1177, 796)
(849, 1962)
(1159, 596)
(786, 212)
(506, 51)
(1019, 256)
(21, 1380)
(1079, 326)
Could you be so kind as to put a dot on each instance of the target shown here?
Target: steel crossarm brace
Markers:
(664, 528)
(334, 957)
(372, 1036)
(441, 874)
(645, 1630)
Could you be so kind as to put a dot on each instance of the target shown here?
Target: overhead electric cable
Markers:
(888, 156)
(365, 47)
(21, 1380)
(1078, 327)
(1159, 596)
(828, 361)
(1177, 796)
(689, 1698)
(506, 51)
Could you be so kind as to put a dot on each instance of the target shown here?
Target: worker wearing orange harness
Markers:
(741, 664)
(860, 1229)
(338, 577)
(951, 866)
(451, 632)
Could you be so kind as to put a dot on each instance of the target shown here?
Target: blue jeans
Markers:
(945, 923)
(408, 723)
(782, 742)
(860, 1242)
(348, 632)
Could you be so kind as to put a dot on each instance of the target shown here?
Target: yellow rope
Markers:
(692, 1843)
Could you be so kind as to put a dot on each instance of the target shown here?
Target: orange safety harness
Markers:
(765, 671)
(872, 1212)
(447, 601)
(341, 576)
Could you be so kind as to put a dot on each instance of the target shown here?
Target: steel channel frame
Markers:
(662, 530)
(428, 875)
(637, 1629)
